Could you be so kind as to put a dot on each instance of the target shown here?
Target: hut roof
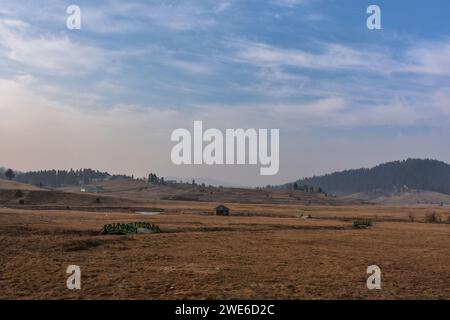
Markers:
(221, 207)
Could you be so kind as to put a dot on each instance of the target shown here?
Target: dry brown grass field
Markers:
(261, 251)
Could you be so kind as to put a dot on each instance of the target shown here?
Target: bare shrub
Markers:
(19, 194)
(431, 217)
(412, 216)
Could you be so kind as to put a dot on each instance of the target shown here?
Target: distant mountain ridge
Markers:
(418, 174)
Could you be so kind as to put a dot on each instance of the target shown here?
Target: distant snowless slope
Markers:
(14, 185)
(409, 197)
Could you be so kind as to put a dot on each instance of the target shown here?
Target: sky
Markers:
(109, 95)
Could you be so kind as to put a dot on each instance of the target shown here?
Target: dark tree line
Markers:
(9, 174)
(430, 175)
(303, 187)
(153, 178)
(60, 178)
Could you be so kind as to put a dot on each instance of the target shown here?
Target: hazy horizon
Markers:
(214, 181)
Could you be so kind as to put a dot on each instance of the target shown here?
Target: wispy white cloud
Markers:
(330, 112)
(105, 86)
(58, 54)
(429, 58)
(290, 3)
(125, 17)
(188, 66)
(222, 6)
(421, 58)
(330, 56)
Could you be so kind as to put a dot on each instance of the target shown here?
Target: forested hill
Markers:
(63, 178)
(58, 178)
(431, 175)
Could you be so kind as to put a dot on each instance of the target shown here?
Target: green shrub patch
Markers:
(362, 224)
(130, 228)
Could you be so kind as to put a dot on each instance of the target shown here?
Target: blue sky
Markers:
(108, 95)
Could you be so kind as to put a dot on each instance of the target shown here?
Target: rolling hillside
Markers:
(142, 191)
(401, 197)
(417, 174)
(14, 185)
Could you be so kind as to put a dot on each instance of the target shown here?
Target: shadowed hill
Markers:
(429, 175)
(14, 185)
(29, 197)
(142, 191)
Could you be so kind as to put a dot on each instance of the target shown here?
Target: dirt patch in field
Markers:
(79, 245)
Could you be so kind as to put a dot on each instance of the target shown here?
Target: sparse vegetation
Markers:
(270, 232)
(9, 174)
(129, 228)
(19, 194)
(431, 217)
(153, 178)
(362, 224)
(268, 225)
